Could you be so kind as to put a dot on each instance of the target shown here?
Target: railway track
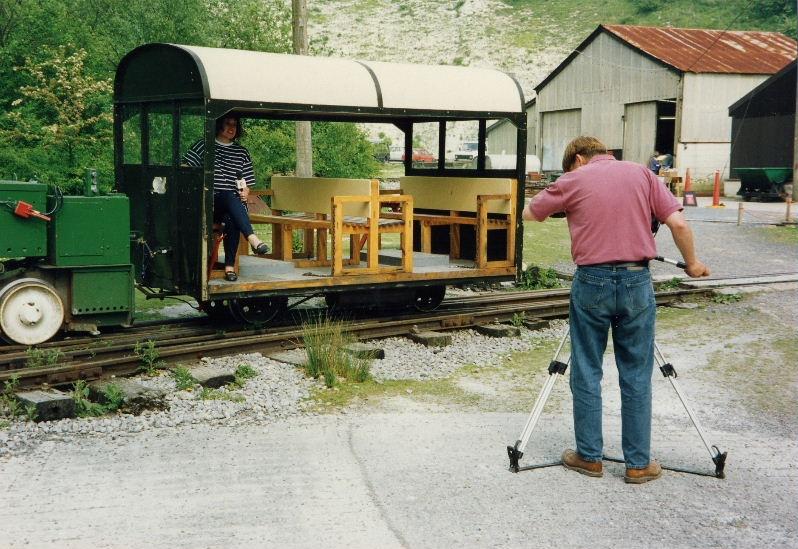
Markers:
(65, 361)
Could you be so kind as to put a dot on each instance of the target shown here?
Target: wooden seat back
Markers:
(458, 193)
(314, 194)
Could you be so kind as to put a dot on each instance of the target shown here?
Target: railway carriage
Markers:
(350, 240)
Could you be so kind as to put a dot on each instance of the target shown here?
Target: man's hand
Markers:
(696, 269)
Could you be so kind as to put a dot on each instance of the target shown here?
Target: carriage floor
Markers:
(257, 273)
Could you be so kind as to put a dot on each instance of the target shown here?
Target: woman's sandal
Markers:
(261, 249)
(230, 276)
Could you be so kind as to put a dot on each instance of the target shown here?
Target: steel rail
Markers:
(120, 359)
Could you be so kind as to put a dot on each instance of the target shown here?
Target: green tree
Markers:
(61, 109)
(342, 149)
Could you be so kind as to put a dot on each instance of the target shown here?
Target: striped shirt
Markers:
(230, 162)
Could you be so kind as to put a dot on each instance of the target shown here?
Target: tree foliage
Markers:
(339, 149)
(61, 107)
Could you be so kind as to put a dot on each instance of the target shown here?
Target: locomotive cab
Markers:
(441, 223)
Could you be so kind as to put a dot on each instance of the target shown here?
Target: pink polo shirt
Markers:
(608, 204)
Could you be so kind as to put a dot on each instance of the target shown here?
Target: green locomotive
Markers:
(67, 262)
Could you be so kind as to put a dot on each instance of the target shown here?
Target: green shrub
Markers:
(84, 406)
(9, 405)
(537, 278)
(149, 357)
(183, 378)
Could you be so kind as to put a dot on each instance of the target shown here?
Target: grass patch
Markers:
(547, 243)
(392, 170)
(764, 373)
(42, 357)
(780, 235)
(152, 309)
(671, 284)
(242, 374)
(441, 391)
(325, 342)
(217, 394)
(725, 299)
(183, 378)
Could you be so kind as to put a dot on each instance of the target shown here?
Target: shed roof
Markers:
(698, 50)
(711, 51)
(776, 95)
(283, 79)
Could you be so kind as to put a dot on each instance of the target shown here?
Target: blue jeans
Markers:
(228, 209)
(604, 298)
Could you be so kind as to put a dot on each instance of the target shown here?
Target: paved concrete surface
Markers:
(391, 480)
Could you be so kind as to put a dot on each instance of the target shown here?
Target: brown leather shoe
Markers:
(573, 461)
(639, 476)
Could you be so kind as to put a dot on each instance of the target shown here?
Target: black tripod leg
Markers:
(718, 457)
(515, 452)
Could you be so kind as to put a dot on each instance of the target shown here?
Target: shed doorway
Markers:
(648, 126)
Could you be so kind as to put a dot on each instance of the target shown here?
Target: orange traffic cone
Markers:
(688, 198)
(716, 192)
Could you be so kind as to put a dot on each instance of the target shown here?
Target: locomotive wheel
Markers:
(429, 298)
(30, 311)
(257, 310)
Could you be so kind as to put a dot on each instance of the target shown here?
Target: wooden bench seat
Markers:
(488, 204)
(340, 207)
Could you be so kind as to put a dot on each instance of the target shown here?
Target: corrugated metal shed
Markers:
(702, 50)
(697, 50)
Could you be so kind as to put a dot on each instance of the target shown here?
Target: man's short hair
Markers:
(585, 145)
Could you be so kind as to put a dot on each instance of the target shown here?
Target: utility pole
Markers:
(304, 146)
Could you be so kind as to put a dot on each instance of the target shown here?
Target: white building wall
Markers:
(705, 104)
(703, 159)
(502, 139)
(705, 136)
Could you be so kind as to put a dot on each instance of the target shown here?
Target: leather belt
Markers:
(619, 265)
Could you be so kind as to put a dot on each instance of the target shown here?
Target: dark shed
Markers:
(763, 123)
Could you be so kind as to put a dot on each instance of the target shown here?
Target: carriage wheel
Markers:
(257, 310)
(217, 310)
(30, 311)
(429, 298)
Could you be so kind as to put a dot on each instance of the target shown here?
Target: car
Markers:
(467, 151)
(421, 155)
(396, 153)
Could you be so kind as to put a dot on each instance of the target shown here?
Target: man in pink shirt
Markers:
(609, 205)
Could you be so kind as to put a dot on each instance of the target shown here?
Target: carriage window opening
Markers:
(501, 146)
(462, 144)
(131, 134)
(425, 145)
(160, 136)
(192, 128)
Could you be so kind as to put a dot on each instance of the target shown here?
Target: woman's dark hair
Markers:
(239, 128)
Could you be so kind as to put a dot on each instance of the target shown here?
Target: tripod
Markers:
(558, 368)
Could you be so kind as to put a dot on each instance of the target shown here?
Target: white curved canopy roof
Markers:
(294, 79)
